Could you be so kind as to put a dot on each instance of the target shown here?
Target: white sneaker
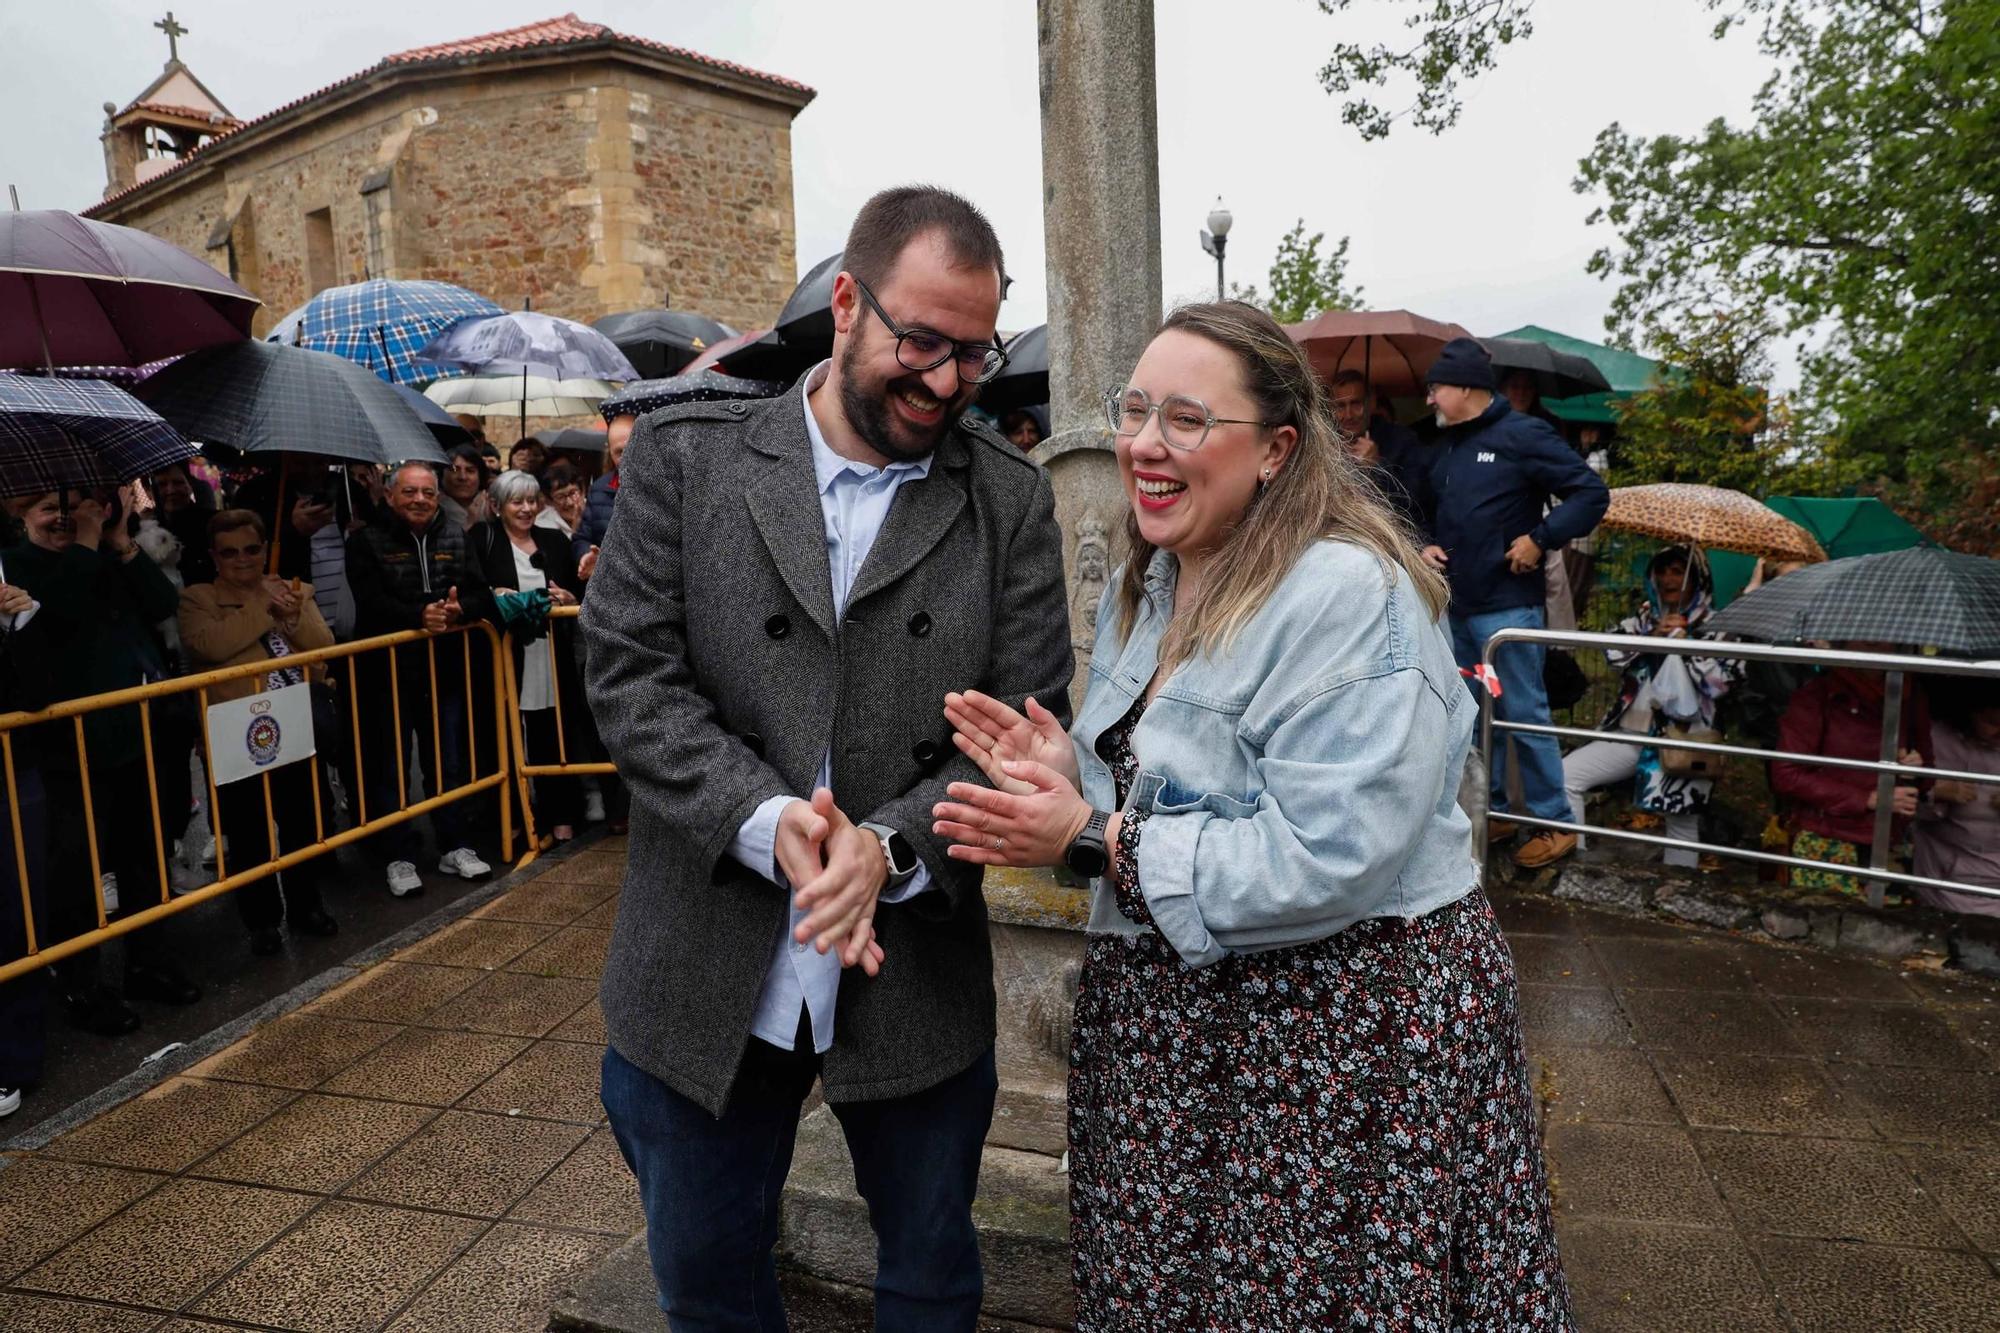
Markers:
(206, 854)
(404, 879)
(109, 883)
(593, 807)
(10, 1101)
(184, 878)
(464, 863)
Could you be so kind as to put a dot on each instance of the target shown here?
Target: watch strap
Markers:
(890, 840)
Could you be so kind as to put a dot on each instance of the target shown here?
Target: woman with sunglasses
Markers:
(247, 615)
(1298, 1094)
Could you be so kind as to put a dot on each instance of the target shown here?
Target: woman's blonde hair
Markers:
(1319, 493)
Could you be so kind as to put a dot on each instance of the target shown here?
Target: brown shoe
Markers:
(1500, 830)
(1544, 847)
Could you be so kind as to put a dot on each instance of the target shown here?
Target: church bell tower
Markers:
(166, 123)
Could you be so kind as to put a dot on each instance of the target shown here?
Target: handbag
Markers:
(1563, 679)
(1677, 763)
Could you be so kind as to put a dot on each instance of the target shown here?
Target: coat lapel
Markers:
(784, 504)
(922, 513)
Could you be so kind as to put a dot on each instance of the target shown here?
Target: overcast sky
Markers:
(1479, 225)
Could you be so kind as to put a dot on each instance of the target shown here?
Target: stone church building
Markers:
(582, 169)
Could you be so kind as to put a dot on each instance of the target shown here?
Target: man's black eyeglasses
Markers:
(925, 349)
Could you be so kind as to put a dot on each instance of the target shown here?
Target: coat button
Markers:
(920, 624)
(925, 752)
(778, 626)
(754, 743)
(735, 409)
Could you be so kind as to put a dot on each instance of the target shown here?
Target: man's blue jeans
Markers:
(1523, 698)
(711, 1189)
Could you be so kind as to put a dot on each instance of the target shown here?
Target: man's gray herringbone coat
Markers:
(718, 678)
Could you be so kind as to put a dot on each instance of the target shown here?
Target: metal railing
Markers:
(144, 697)
(525, 769)
(1897, 668)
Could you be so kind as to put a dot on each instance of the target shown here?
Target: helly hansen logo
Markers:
(1485, 457)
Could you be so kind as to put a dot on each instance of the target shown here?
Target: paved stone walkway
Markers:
(420, 1150)
(1742, 1137)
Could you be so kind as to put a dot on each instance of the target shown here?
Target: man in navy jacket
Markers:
(1490, 525)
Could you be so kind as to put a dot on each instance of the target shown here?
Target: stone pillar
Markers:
(1101, 230)
(1100, 197)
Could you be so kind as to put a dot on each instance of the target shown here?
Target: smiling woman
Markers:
(1297, 1092)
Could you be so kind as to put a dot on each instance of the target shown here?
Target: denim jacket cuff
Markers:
(1166, 875)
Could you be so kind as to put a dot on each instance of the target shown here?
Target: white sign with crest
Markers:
(260, 732)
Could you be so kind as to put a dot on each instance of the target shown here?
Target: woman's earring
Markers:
(1267, 474)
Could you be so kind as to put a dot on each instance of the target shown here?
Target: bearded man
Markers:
(790, 589)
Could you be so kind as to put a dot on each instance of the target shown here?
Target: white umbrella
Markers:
(525, 395)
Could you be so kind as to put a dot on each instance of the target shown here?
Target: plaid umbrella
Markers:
(1925, 596)
(59, 433)
(261, 397)
(703, 386)
(383, 323)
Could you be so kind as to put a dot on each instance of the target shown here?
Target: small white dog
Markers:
(164, 550)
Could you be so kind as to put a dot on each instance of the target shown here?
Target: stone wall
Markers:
(585, 186)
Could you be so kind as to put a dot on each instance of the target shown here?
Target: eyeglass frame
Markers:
(952, 356)
(1114, 405)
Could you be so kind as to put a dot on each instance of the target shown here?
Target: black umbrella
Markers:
(703, 386)
(807, 319)
(1924, 596)
(261, 397)
(1024, 382)
(1558, 374)
(572, 438)
(660, 342)
(442, 423)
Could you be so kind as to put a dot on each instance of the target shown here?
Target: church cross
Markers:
(174, 32)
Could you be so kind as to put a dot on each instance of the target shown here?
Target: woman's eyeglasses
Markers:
(1184, 422)
(249, 552)
(923, 349)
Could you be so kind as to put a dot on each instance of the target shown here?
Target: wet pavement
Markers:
(1744, 1136)
(1740, 1136)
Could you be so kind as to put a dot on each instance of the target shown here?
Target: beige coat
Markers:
(222, 627)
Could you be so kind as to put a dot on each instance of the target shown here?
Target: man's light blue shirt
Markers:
(854, 500)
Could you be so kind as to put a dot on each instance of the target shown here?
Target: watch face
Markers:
(1086, 859)
(901, 855)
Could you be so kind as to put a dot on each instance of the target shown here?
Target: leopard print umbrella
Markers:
(1710, 518)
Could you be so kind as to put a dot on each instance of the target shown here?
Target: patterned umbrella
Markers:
(703, 386)
(527, 342)
(1926, 596)
(262, 397)
(1711, 518)
(383, 323)
(59, 433)
(74, 292)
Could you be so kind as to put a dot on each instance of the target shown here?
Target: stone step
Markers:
(1030, 1113)
(1022, 1214)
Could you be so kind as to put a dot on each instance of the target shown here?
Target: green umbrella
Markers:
(1844, 526)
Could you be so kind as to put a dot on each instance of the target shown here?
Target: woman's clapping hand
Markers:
(991, 734)
(1032, 823)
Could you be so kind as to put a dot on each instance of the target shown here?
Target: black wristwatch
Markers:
(902, 857)
(1087, 855)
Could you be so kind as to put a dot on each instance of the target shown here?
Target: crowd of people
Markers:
(193, 570)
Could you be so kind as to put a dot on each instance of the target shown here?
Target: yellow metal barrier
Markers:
(524, 768)
(505, 703)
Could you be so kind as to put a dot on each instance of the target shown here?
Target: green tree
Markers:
(1712, 417)
(1303, 281)
(1857, 207)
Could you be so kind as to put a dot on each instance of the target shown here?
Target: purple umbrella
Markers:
(81, 293)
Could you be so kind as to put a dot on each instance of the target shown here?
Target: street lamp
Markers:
(1216, 237)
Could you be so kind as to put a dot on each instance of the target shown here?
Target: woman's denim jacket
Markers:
(1301, 781)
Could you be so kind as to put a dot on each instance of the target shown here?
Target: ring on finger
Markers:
(998, 842)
